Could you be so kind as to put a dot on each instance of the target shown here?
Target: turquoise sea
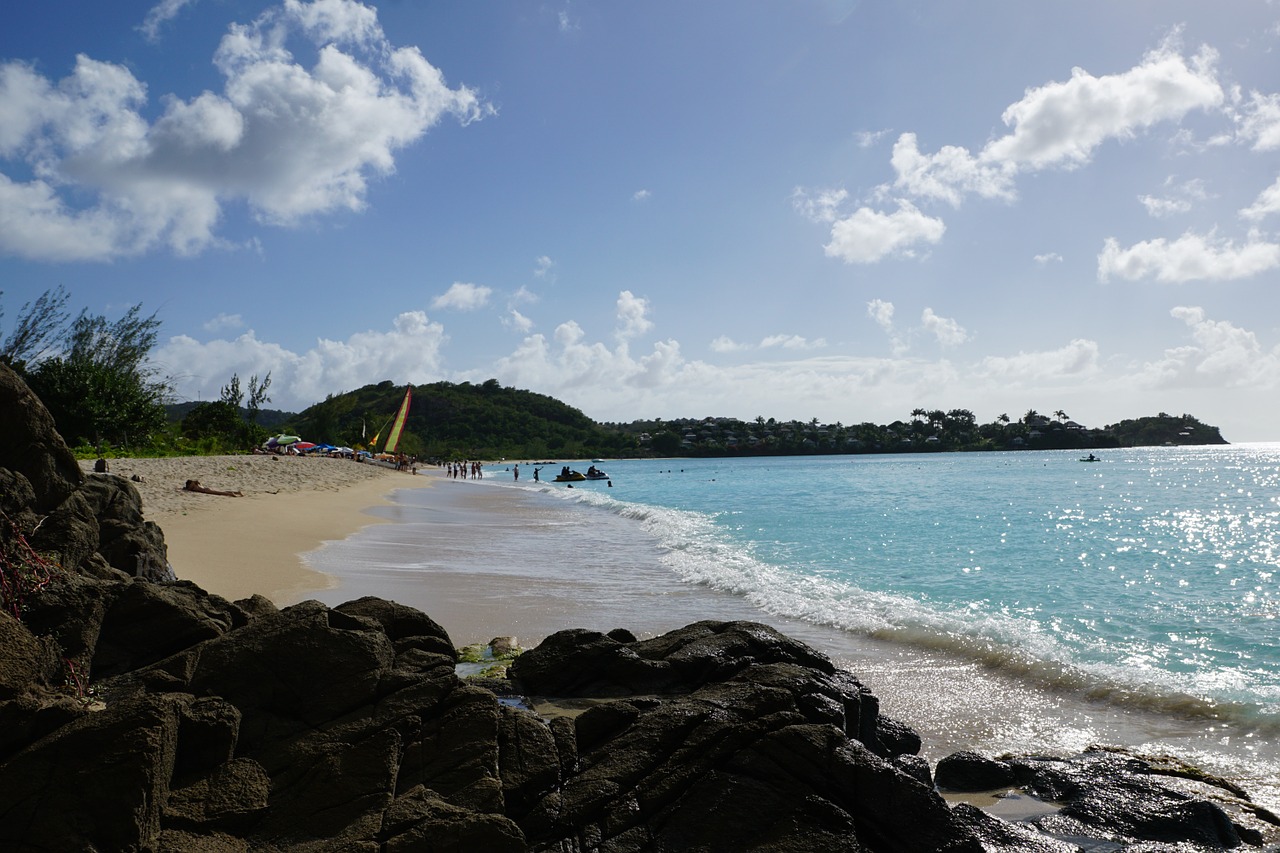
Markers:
(998, 601)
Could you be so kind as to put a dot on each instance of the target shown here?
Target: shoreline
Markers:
(238, 546)
(276, 541)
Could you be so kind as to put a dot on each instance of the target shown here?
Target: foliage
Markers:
(456, 421)
(92, 374)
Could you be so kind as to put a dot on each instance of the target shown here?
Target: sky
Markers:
(807, 209)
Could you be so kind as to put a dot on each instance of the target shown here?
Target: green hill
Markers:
(460, 421)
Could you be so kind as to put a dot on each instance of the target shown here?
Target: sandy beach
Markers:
(238, 546)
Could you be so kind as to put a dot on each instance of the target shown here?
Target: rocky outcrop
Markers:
(138, 712)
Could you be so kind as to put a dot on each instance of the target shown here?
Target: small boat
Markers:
(1090, 458)
(567, 475)
(594, 473)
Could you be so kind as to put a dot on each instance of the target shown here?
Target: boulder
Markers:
(138, 712)
(32, 445)
(968, 771)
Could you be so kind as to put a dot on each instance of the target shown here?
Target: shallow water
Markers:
(1013, 601)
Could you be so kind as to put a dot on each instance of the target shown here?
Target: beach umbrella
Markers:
(287, 439)
(303, 445)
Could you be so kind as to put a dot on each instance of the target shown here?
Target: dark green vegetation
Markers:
(92, 374)
(489, 421)
(95, 377)
(463, 421)
(928, 431)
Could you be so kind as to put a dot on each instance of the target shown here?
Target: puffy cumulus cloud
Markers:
(724, 343)
(1161, 207)
(1191, 257)
(1221, 355)
(633, 319)
(947, 332)
(224, 322)
(408, 352)
(462, 296)
(882, 312)
(641, 195)
(868, 236)
(288, 140)
(1259, 122)
(1077, 360)
(1061, 124)
(513, 319)
(949, 174)
(792, 342)
(1267, 203)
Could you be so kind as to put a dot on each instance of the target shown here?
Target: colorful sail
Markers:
(393, 437)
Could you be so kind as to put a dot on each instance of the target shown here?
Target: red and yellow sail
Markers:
(393, 437)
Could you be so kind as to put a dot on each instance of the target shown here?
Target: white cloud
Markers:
(544, 267)
(1191, 257)
(724, 343)
(868, 236)
(409, 352)
(640, 195)
(792, 342)
(517, 321)
(289, 141)
(224, 322)
(949, 174)
(882, 313)
(1028, 369)
(463, 296)
(823, 206)
(868, 138)
(1047, 258)
(1062, 124)
(632, 316)
(160, 14)
(1179, 198)
(1221, 355)
(1260, 122)
(1162, 207)
(1267, 203)
(948, 332)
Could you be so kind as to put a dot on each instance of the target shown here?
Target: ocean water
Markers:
(996, 601)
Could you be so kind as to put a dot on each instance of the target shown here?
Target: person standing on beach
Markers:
(516, 471)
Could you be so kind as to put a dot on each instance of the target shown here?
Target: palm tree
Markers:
(1060, 415)
(1030, 416)
(1004, 418)
(919, 414)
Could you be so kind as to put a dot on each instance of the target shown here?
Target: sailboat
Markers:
(397, 425)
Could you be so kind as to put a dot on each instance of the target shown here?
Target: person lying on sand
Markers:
(194, 486)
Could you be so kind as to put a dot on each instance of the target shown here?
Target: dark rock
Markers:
(1117, 796)
(968, 771)
(32, 446)
(97, 783)
(1002, 836)
(140, 713)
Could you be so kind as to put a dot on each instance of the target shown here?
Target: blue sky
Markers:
(823, 209)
